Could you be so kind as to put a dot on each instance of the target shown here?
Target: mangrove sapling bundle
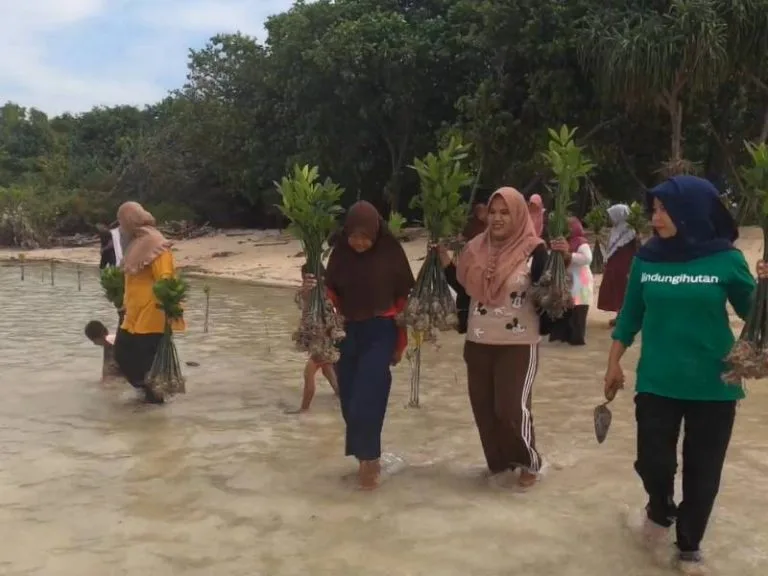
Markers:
(597, 219)
(312, 208)
(748, 358)
(430, 305)
(112, 282)
(552, 293)
(165, 377)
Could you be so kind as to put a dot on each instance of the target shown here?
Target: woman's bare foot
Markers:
(527, 479)
(294, 411)
(368, 474)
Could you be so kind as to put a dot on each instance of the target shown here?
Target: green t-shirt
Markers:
(681, 309)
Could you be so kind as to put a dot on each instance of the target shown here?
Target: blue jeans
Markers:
(365, 380)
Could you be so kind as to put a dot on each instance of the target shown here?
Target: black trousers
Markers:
(572, 327)
(707, 428)
(134, 354)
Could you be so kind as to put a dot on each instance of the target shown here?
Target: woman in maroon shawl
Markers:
(622, 245)
(477, 223)
(368, 279)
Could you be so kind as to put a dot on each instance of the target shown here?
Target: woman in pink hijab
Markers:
(537, 212)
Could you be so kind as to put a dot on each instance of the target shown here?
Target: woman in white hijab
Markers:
(622, 245)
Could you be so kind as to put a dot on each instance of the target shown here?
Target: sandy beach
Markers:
(263, 257)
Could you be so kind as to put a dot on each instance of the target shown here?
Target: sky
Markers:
(71, 55)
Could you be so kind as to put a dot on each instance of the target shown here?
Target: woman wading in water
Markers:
(147, 259)
(368, 279)
(678, 288)
(622, 246)
(496, 269)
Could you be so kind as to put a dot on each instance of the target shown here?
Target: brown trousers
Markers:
(500, 380)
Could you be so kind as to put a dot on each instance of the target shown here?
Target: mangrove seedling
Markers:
(312, 207)
(430, 307)
(638, 218)
(396, 224)
(568, 164)
(112, 282)
(207, 292)
(165, 377)
(748, 359)
(596, 220)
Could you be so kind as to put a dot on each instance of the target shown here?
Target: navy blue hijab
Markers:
(704, 224)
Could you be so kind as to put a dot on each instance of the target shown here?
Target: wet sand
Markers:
(221, 481)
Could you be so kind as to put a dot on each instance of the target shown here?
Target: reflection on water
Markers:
(220, 481)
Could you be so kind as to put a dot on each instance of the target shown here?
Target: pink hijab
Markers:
(576, 237)
(485, 267)
(536, 209)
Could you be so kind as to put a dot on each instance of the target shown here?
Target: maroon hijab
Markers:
(368, 283)
(576, 236)
(477, 223)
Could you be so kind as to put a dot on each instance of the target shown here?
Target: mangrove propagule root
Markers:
(748, 359)
(430, 307)
(552, 293)
(321, 328)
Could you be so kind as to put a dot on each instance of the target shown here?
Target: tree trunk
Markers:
(393, 187)
(392, 191)
(676, 117)
(677, 164)
(764, 131)
(670, 101)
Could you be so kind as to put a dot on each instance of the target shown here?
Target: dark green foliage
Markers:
(113, 282)
(360, 87)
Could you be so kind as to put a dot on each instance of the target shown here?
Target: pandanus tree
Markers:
(657, 54)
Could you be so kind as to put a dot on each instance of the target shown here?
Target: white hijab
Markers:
(117, 246)
(621, 232)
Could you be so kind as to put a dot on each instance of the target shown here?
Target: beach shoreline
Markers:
(266, 258)
(270, 258)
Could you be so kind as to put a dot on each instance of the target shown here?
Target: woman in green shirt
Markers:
(678, 287)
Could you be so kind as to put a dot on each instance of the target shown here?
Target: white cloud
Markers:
(205, 15)
(145, 71)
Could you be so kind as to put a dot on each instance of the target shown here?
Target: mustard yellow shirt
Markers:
(142, 316)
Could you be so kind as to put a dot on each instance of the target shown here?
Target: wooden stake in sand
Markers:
(22, 257)
(414, 359)
(207, 290)
(79, 278)
(53, 268)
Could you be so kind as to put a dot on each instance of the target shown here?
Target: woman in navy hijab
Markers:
(680, 283)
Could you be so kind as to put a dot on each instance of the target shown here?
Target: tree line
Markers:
(360, 88)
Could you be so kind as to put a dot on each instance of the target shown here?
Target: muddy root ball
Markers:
(319, 333)
(427, 314)
(747, 362)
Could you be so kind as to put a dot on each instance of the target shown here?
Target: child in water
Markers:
(311, 368)
(97, 333)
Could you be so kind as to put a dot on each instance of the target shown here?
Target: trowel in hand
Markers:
(603, 417)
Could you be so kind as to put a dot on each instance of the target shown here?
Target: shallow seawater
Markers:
(221, 481)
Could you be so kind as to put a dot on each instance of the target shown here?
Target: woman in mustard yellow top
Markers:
(147, 258)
